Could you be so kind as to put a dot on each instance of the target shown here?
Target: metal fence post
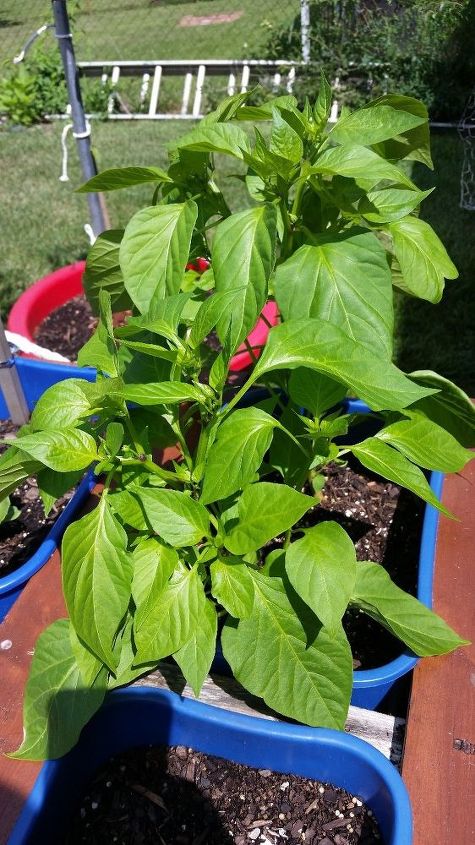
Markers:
(81, 129)
(10, 383)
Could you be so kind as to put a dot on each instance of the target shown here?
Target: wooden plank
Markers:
(40, 604)
(439, 755)
(382, 731)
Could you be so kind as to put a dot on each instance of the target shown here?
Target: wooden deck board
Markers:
(439, 753)
(40, 604)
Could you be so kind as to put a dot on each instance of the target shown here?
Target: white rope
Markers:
(64, 145)
(90, 233)
(26, 345)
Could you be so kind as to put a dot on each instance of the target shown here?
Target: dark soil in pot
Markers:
(21, 537)
(177, 796)
(67, 329)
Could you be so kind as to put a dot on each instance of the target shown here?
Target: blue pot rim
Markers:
(250, 738)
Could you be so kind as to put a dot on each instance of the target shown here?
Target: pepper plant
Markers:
(222, 540)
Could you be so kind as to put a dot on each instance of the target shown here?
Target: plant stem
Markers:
(251, 351)
(238, 396)
(296, 205)
(155, 469)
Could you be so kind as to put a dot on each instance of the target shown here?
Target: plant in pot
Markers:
(225, 537)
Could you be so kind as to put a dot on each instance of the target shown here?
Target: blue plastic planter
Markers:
(141, 716)
(36, 377)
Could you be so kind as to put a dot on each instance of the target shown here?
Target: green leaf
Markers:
(100, 352)
(240, 445)
(97, 574)
(53, 485)
(152, 349)
(377, 121)
(265, 510)
(57, 702)
(129, 509)
(64, 451)
(232, 585)
(62, 405)
(168, 313)
(123, 177)
(299, 669)
(153, 563)
(406, 617)
(322, 570)
(284, 140)
(5, 507)
(412, 144)
(344, 279)
(314, 391)
(243, 257)
(114, 438)
(288, 458)
(225, 138)
(322, 107)
(426, 443)
(103, 272)
(196, 656)
(228, 107)
(359, 163)
(176, 517)
(422, 257)
(89, 664)
(210, 312)
(323, 347)
(385, 205)
(388, 462)
(170, 616)
(450, 407)
(264, 111)
(14, 468)
(166, 393)
(154, 251)
(125, 650)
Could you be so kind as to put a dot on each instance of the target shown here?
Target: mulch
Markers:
(178, 796)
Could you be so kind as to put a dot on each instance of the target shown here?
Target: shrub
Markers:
(418, 47)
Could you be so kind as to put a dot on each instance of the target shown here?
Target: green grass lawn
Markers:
(140, 29)
(42, 228)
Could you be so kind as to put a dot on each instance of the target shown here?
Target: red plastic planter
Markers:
(54, 290)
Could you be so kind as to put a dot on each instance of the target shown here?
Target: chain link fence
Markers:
(107, 30)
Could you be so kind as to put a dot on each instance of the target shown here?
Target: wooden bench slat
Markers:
(439, 754)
